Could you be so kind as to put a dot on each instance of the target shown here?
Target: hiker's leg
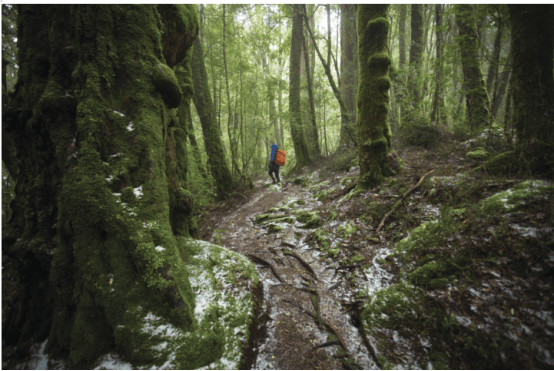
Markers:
(270, 173)
(277, 176)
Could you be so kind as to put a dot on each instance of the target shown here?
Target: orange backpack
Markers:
(280, 157)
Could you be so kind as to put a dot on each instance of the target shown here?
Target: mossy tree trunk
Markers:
(533, 85)
(296, 129)
(349, 67)
(210, 129)
(477, 99)
(101, 213)
(374, 136)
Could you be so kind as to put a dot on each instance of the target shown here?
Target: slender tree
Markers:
(477, 99)
(326, 67)
(374, 136)
(210, 129)
(416, 55)
(437, 112)
(349, 66)
(296, 129)
(233, 142)
(312, 126)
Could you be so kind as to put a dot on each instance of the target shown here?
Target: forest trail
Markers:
(350, 255)
(291, 288)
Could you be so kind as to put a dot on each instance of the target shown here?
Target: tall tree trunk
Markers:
(477, 99)
(533, 85)
(349, 66)
(499, 92)
(312, 126)
(437, 113)
(296, 129)
(233, 143)
(210, 130)
(374, 136)
(336, 91)
(104, 221)
(493, 69)
(400, 79)
(416, 51)
(194, 144)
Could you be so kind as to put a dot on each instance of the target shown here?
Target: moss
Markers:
(346, 230)
(309, 218)
(166, 82)
(324, 194)
(479, 155)
(381, 61)
(502, 164)
(274, 228)
(426, 267)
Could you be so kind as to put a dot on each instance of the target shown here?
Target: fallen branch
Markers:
(399, 202)
(371, 347)
(304, 263)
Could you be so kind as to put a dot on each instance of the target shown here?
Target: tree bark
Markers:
(416, 51)
(374, 136)
(349, 67)
(233, 142)
(312, 127)
(194, 144)
(437, 113)
(103, 216)
(210, 130)
(533, 85)
(336, 91)
(296, 129)
(477, 99)
(493, 69)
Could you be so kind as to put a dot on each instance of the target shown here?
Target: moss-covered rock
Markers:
(439, 260)
(222, 282)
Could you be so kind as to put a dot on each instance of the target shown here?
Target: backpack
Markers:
(280, 157)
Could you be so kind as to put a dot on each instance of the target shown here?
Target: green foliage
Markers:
(419, 132)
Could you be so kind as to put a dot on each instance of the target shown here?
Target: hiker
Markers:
(273, 167)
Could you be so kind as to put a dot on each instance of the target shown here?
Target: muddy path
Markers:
(309, 317)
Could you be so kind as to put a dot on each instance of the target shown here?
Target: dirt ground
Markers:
(310, 308)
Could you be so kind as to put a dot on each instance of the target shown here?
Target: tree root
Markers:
(325, 322)
(304, 263)
(399, 202)
(261, 261)
(349, 266)
(334, 286)
(327, 344)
